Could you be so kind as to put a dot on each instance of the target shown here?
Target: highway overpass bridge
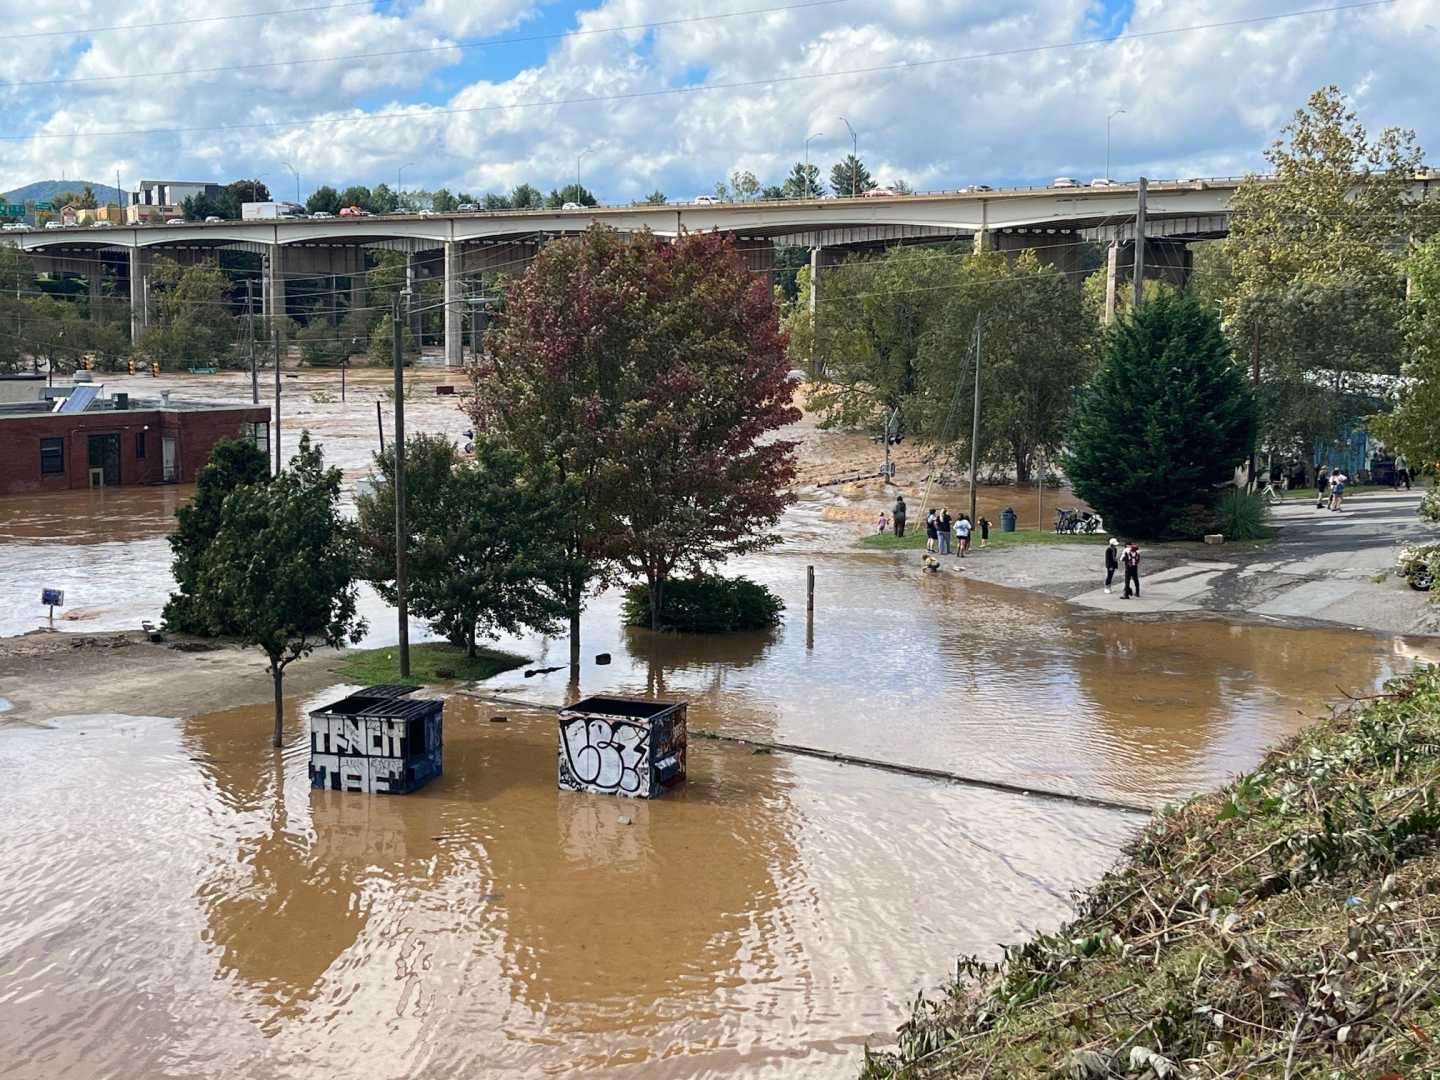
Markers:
(466, 248)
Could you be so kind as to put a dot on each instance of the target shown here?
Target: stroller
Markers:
(1077, 522)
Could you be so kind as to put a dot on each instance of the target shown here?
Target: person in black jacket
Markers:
(1112, 561)
(898, 515)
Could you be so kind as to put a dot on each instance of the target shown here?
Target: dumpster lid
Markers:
(623, 707)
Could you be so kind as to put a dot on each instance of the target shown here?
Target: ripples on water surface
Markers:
(175, 902)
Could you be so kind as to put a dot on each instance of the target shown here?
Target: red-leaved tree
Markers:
(646, 378)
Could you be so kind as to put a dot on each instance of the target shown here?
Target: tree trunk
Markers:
(470, 642)
(1022, 466)
(657, 591)
(278, 673)
(575, 635)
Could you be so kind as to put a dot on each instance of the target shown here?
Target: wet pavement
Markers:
(177, 903)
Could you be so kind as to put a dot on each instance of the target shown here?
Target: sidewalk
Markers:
(1322, 565)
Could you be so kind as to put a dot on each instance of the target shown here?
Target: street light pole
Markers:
(400, 179)
(1112, 116)
(975, 423)
(297, 180)
(818, 134)
(854, 156)
(578, 158)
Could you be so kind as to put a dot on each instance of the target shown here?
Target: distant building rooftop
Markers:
(10, 410)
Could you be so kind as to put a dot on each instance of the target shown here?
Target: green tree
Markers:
(383, 200)
(243, 191)
(358, 195)
(872, 316)
(1164, 424)
(481, 548)
(322, 345)
(442, 202)
(280, 572)
(1037, 349)
(526, 197)
(743, 186)
(195, 320)
(493, 201)
(324, 200)
(233, 463)
(1414, 426)
(803, 182)
(1323, 225)
(382, 344)
(571, 193)
(850, 177)
(86, 199)
(655, 198)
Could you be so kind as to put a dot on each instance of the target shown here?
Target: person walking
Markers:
(984, 532)
(1112, 561)
(1131, 561)
(897, 515)
(1402, 472)
(1322, 486)
(962, 533)
(930, 531)
(883, 523)
(1337, 489)
(943, 524)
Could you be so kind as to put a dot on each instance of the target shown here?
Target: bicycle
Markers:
(1270, 494)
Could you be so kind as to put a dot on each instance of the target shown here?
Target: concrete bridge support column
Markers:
(139, 317)
(274, 294)
(95, 276)
(454, 308)
(1112, 269)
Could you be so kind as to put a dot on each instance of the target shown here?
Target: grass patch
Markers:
(1287, 925)
(370, 667)
(914, 540)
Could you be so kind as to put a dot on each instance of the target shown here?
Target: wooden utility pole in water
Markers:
(402, 603)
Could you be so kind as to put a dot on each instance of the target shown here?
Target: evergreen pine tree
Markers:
(1168, 419)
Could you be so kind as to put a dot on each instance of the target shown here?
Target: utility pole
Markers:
(1112, 116)
(975, 422)
(402, 602)
(250, 342)
(275, 348)
(1138, 296)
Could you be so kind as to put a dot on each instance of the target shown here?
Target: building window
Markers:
(52, 456)
(139, 446)
(259, 434)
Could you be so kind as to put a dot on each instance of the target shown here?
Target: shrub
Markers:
(1243, 516)
(706, 604)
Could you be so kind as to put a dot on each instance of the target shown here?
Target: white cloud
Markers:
(1200, 103)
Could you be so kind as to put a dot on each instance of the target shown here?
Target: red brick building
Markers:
(118, 441)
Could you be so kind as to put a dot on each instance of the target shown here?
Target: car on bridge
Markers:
(353, 211)
(176, 221)
(321, 215)
(1064, 182)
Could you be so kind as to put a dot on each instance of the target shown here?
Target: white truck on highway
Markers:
(269, 211)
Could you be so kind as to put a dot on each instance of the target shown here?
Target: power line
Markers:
(84, 31)
(479, 43)
(636, 95)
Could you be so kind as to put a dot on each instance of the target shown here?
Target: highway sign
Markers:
(43, 206)
(15, 210)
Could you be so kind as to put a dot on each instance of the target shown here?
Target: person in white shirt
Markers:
(962, 534)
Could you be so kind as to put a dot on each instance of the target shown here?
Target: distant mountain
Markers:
(41, 191)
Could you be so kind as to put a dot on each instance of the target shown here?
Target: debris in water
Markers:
(623, 820)
(602, 658)
(499, 719)
(541, 671)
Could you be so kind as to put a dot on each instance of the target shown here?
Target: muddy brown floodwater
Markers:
(175, 902)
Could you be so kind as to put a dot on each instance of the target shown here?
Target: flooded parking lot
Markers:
(176, 902)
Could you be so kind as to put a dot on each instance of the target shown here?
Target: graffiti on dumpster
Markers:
(602, 755)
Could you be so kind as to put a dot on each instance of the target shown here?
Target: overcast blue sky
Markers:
(1198, 101)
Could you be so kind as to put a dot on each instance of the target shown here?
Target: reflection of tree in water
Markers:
(288, 906)
(664, 653)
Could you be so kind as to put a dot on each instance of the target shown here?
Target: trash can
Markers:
(1007, 519)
